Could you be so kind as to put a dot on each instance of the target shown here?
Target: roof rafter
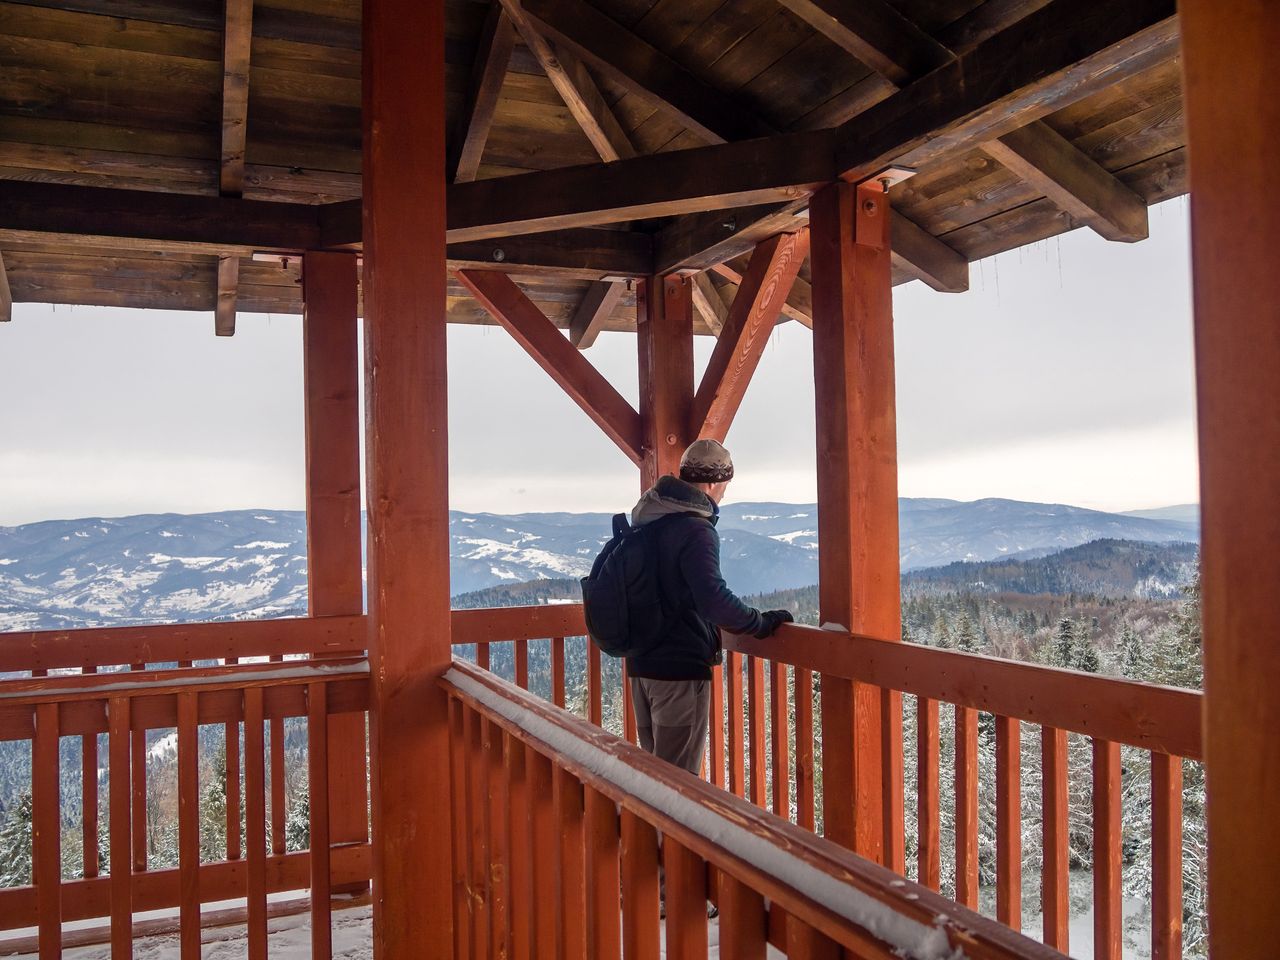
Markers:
(592, 311)
(709, 304)
(224, 314)
(237, 37)
(493, 55)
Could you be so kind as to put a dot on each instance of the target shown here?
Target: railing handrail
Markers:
(492, 624)
(847, 898)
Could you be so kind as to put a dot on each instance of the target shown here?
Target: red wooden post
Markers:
(595, 712)
(542, 823)
(895, 839)
(408, 473)
(715, 757)
(255, 814)
(319, 807)
(967, 807)
(928, 835)
(686, 902)
(755, 729)
(805, 812)
(46, 831)
(89, 800)
(1107, 903)
(138, 793)
(1055, 879)
(742, 920)
(188, 826)
(572, 890)
(1166, 857)
(461, 830)
(733, 704)
(779, 720)
(121, 867)
(334, 577)
(477, 824)
(639, 889)
(231, 774)
(604, 919)
(857, 492)
(1009, 822)
(557, 671)
(522, 663)
(1233, 129)
(497, 809)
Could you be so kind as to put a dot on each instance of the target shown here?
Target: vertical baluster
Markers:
(461, 833)
(686, 902)
(482, 656)
(1009, 822)
(929, 856)
(715, 757)
(640, 889)
(895, 841)
(89, 800)
(1166, 857)
(46, 829)
(755, 729)
(255, 816)
(522, 664)
(522, 903)
(733, 705)
(604, 931)
(231, 737)
(497, 811)
(779, 720)
(188, 826)
(742, 920)
(543, 829)
(118, 831)
(318, 777)
(572, 898)
(967, 806)
(806, 943)
(277, 781)
(1107, 903)
(138, 806)
(477, 795)
(804, 748)
(557, 671)
(628, 712)
(594, 711)
(1055, 887)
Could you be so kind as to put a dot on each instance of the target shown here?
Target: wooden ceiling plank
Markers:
(6, 295)
(593, 312)
(708, 302)
(642, 69)
(224, 322)
(1073, 181)
(922, 255)
(576, 87)
(493, 56)
(237, 38)
(552, 351)
(875, 33)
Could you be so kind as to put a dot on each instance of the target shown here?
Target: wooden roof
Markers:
(140, 103)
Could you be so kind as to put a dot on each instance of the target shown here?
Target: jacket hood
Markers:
(672, 495)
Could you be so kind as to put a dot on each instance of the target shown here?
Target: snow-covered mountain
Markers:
(252, 563)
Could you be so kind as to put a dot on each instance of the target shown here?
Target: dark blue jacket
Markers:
(696, 598)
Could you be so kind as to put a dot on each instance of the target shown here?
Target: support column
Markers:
(334, 584)
(407, 456)
(857, 505)
(1233, 127)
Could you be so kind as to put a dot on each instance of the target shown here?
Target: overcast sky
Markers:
(1063, 375)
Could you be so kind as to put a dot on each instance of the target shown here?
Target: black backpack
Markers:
(621, 597)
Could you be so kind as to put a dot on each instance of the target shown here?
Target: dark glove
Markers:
(771, 620)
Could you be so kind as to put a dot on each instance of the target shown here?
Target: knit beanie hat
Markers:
(706, 461)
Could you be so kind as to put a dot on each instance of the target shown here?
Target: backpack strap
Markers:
(620, 524)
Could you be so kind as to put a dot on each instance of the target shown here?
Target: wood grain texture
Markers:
(686, 903)
(664, 330)
(46, 830)
(237, 34)
(224, 320)
(188, 826)
(1055, 879)
(966, 807)
(1108, 897)
(493, 55)
(1166, 857)
(255, 797)
(1009, 822)
(928, 799)
(318, 814)
(709, 304)
(118, 747)
(592, 312)
(604, 918)
(6, 295)
(640, 903)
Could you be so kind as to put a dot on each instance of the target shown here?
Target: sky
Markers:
(1064, 375)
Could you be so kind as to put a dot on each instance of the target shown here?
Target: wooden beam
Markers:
(593, 310)
(552, 351)
(237, 35)
(493, 55)
(876, 33)
(406, 409)
(701, 241)
(799, 303)
(224, 318)
(664, 333)
(1233, 128)
(1072, 180)
(922, 255)
(708, 302)
(642, 69)
(755, 310)
(587, 254)
(576, 87)
(6, 295)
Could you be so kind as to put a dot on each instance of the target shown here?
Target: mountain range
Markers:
(252, 563)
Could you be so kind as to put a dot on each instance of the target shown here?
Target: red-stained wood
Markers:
(121, 868)
(138, 791)
(477, 778)
(629, 732)
(521, 836)
(756, 731)
(1108, 903)
(407, 456)
(806, 943)
(255, 812)
(857, 491)
(542, 824)
(493, 54)
(1166, 857)
(594, 694)
(604, 918)
(779, 720)
(571, 890)
(189, 826)
(319, 804)
(742, 920)
(639, 854)
(928, 801)
(733, 707)
(664, 343)
(593, 311)
(1055, 879)
(461, 837)
(715, 759)
(46, 830)
(482, 655)
(804, 748)
(237, 35)
(895, 832)
(522, 665)
(1009, 822)
(773, 268)
(279, 811)
(231, 781)
(966, 798)
(685, 902)
(549, 348)
(1233, 130)
(557, 671)
(89, 802)
(496, 809)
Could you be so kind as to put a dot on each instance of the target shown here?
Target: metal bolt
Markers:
(886, 182)
(499, 254)
(869, 207)
(731, 224)
(671, 439)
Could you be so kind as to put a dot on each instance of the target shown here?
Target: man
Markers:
(671, 681)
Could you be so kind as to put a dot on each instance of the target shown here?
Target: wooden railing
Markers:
(557, 853)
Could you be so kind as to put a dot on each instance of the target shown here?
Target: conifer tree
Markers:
(15, 844)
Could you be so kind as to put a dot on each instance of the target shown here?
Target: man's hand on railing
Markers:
(772, 620)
